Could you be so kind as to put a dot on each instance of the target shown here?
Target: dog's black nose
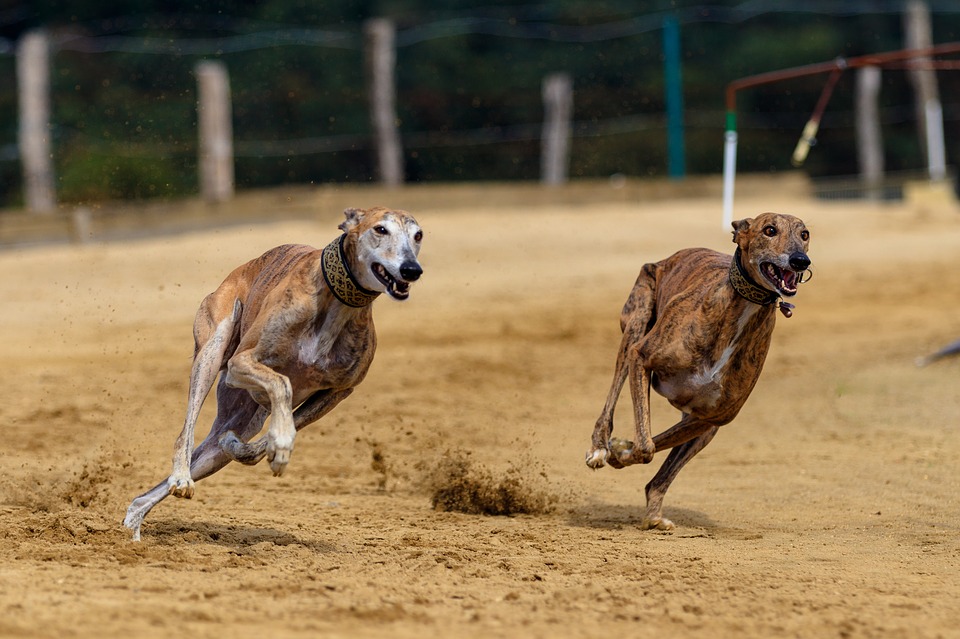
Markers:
(799, 261)
(410, 271)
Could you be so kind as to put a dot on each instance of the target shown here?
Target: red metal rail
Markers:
(903, 58)
(839, 64)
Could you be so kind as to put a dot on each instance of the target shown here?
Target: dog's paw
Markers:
(618, 454)
(597, 457)
(278, 461)
(656, 523)
(279, 449)
(133, 520)
(624, 452)
(181, 487)
(621, 453)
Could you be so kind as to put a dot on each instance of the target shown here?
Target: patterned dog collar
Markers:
(744, 285)
(341, 281)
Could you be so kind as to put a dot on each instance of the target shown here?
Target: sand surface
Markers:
(829, 508)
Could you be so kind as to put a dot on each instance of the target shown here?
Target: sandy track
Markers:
(828, 508)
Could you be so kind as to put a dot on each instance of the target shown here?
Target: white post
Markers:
(919, 35)
(729, 173)
(936, 153)
(869, 132)
(215, 129)
(33, 79)
(557, 128)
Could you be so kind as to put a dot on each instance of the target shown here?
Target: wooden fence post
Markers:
(557, 128)
(36, 157)
(215, 130)
(869, 134)
(918, 35)
(381, 63)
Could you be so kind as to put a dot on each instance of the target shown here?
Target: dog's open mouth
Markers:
(783, 279)
(398, 289)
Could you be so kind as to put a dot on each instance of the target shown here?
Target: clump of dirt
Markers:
(378, 464)
(46, 492)
(458, 484)
(85, 489)
(30, 492)
(387, 474)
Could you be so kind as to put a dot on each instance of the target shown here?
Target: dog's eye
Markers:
(804, 235)
(379, 229)
(770, 230)
(418, 236)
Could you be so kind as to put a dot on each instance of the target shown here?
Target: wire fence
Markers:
(111, 36)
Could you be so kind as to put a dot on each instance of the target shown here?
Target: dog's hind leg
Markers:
(242, 417)
(318, 405)
(214, 331)
(635, 320)
(657, 488)
(141, 505)
(237, 413)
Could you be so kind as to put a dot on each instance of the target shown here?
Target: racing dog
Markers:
(697, 328)
(292, 334)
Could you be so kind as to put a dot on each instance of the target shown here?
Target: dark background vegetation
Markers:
(468, 83)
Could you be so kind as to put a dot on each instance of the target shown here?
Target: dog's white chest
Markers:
(318, 341)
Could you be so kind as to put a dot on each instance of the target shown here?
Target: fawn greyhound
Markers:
(697, 328)
(292, 332)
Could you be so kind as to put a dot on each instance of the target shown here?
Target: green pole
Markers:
(676, 161)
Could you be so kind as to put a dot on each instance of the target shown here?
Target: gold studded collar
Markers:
(343, 284)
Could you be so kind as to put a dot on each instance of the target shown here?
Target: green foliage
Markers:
(93, 177)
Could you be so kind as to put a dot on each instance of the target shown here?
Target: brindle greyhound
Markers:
(697, 327)
(292, 332)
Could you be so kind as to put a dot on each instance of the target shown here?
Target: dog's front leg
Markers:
(624, 452)
(634, 327)
(244, 371)
(599, 452)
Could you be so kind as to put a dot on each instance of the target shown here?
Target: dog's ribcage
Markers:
(712, 372)
(700, 387)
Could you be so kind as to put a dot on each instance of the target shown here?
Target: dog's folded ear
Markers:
(353, 218)
(740, 226)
